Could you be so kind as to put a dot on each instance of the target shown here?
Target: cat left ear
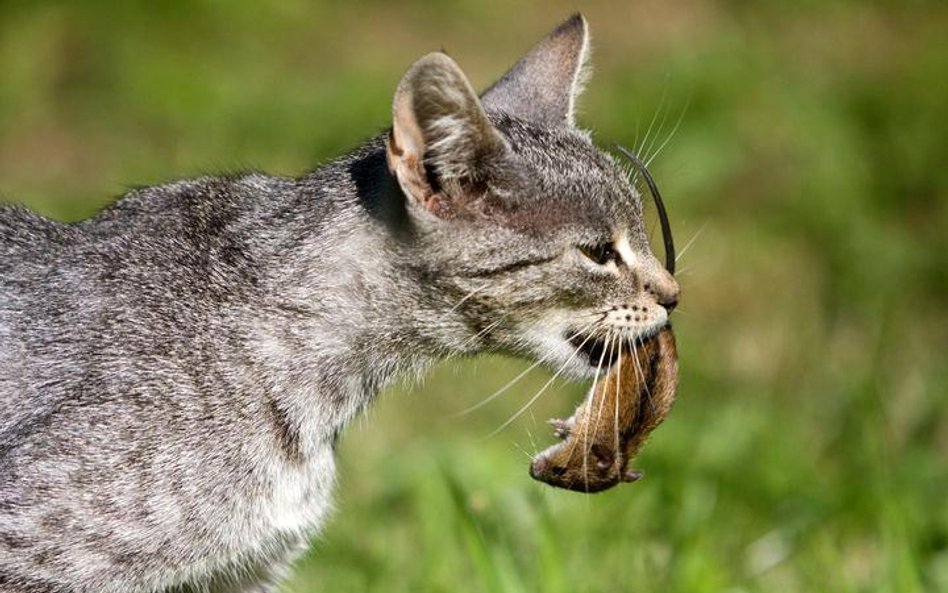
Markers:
(543, 85)
(441, 137)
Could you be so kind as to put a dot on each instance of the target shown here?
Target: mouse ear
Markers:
(633, 475)
(605, 457)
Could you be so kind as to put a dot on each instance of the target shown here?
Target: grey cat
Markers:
(174, 372)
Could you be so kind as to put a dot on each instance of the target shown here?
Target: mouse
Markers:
(610, 426)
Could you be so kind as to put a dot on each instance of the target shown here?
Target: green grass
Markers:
(808, 450)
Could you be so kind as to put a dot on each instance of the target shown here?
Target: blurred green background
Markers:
(808, 450)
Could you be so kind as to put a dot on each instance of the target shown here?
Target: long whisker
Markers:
(541, 391)
(466, 297)
(500, 391)
(636, 136)
(639, 374)
(486, 330)
(516, 379)
(618, 442)
(642, 379)
(691, 242)
(661, 126)
(648, 133)
(602, 404)
(681, 116)
(590, 397)
(610, 340)
(494, 324)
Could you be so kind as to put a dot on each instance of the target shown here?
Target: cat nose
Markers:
(664, 288)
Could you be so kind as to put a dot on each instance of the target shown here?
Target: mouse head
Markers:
(591, 468)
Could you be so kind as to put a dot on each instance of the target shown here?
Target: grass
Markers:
(807, 450)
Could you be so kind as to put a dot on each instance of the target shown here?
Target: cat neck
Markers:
(342, 314)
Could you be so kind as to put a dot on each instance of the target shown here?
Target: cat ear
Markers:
(543, 85)
(441, 137)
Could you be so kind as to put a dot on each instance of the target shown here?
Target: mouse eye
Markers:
(602, 253)
(558, 470)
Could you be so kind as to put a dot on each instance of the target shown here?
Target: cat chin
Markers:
(585, 372)
(579, 356)
(570, 352)
(567, 361)
(576, 369)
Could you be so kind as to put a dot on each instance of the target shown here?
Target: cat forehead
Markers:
(564, 180)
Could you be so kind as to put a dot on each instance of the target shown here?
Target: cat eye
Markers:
(602, 253)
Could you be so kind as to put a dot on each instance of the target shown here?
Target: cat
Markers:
(175, 371)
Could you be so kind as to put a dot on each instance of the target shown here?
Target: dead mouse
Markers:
(614, 420)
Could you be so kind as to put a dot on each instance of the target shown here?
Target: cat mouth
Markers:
(596, 351)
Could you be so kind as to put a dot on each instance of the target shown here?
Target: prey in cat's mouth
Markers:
(596, 351)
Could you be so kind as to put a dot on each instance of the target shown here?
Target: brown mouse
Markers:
(614, 420)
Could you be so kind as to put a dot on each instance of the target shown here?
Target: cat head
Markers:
(533, 234)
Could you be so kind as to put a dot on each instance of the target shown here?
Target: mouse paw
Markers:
(561, 428)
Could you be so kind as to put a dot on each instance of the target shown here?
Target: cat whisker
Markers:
(661, 125)
(690, 243)
(648, 132)
(494, 324)
(610, 346)
(602, 358)
(515, 380)
(636, 135)
(640, 374)
(465, 298)
(483, 332)
(546, 385)
(588, 411)
(618, 403)
(681, 116)
(500, 391)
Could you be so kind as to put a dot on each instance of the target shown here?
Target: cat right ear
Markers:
(441, 138)
(543, 85)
